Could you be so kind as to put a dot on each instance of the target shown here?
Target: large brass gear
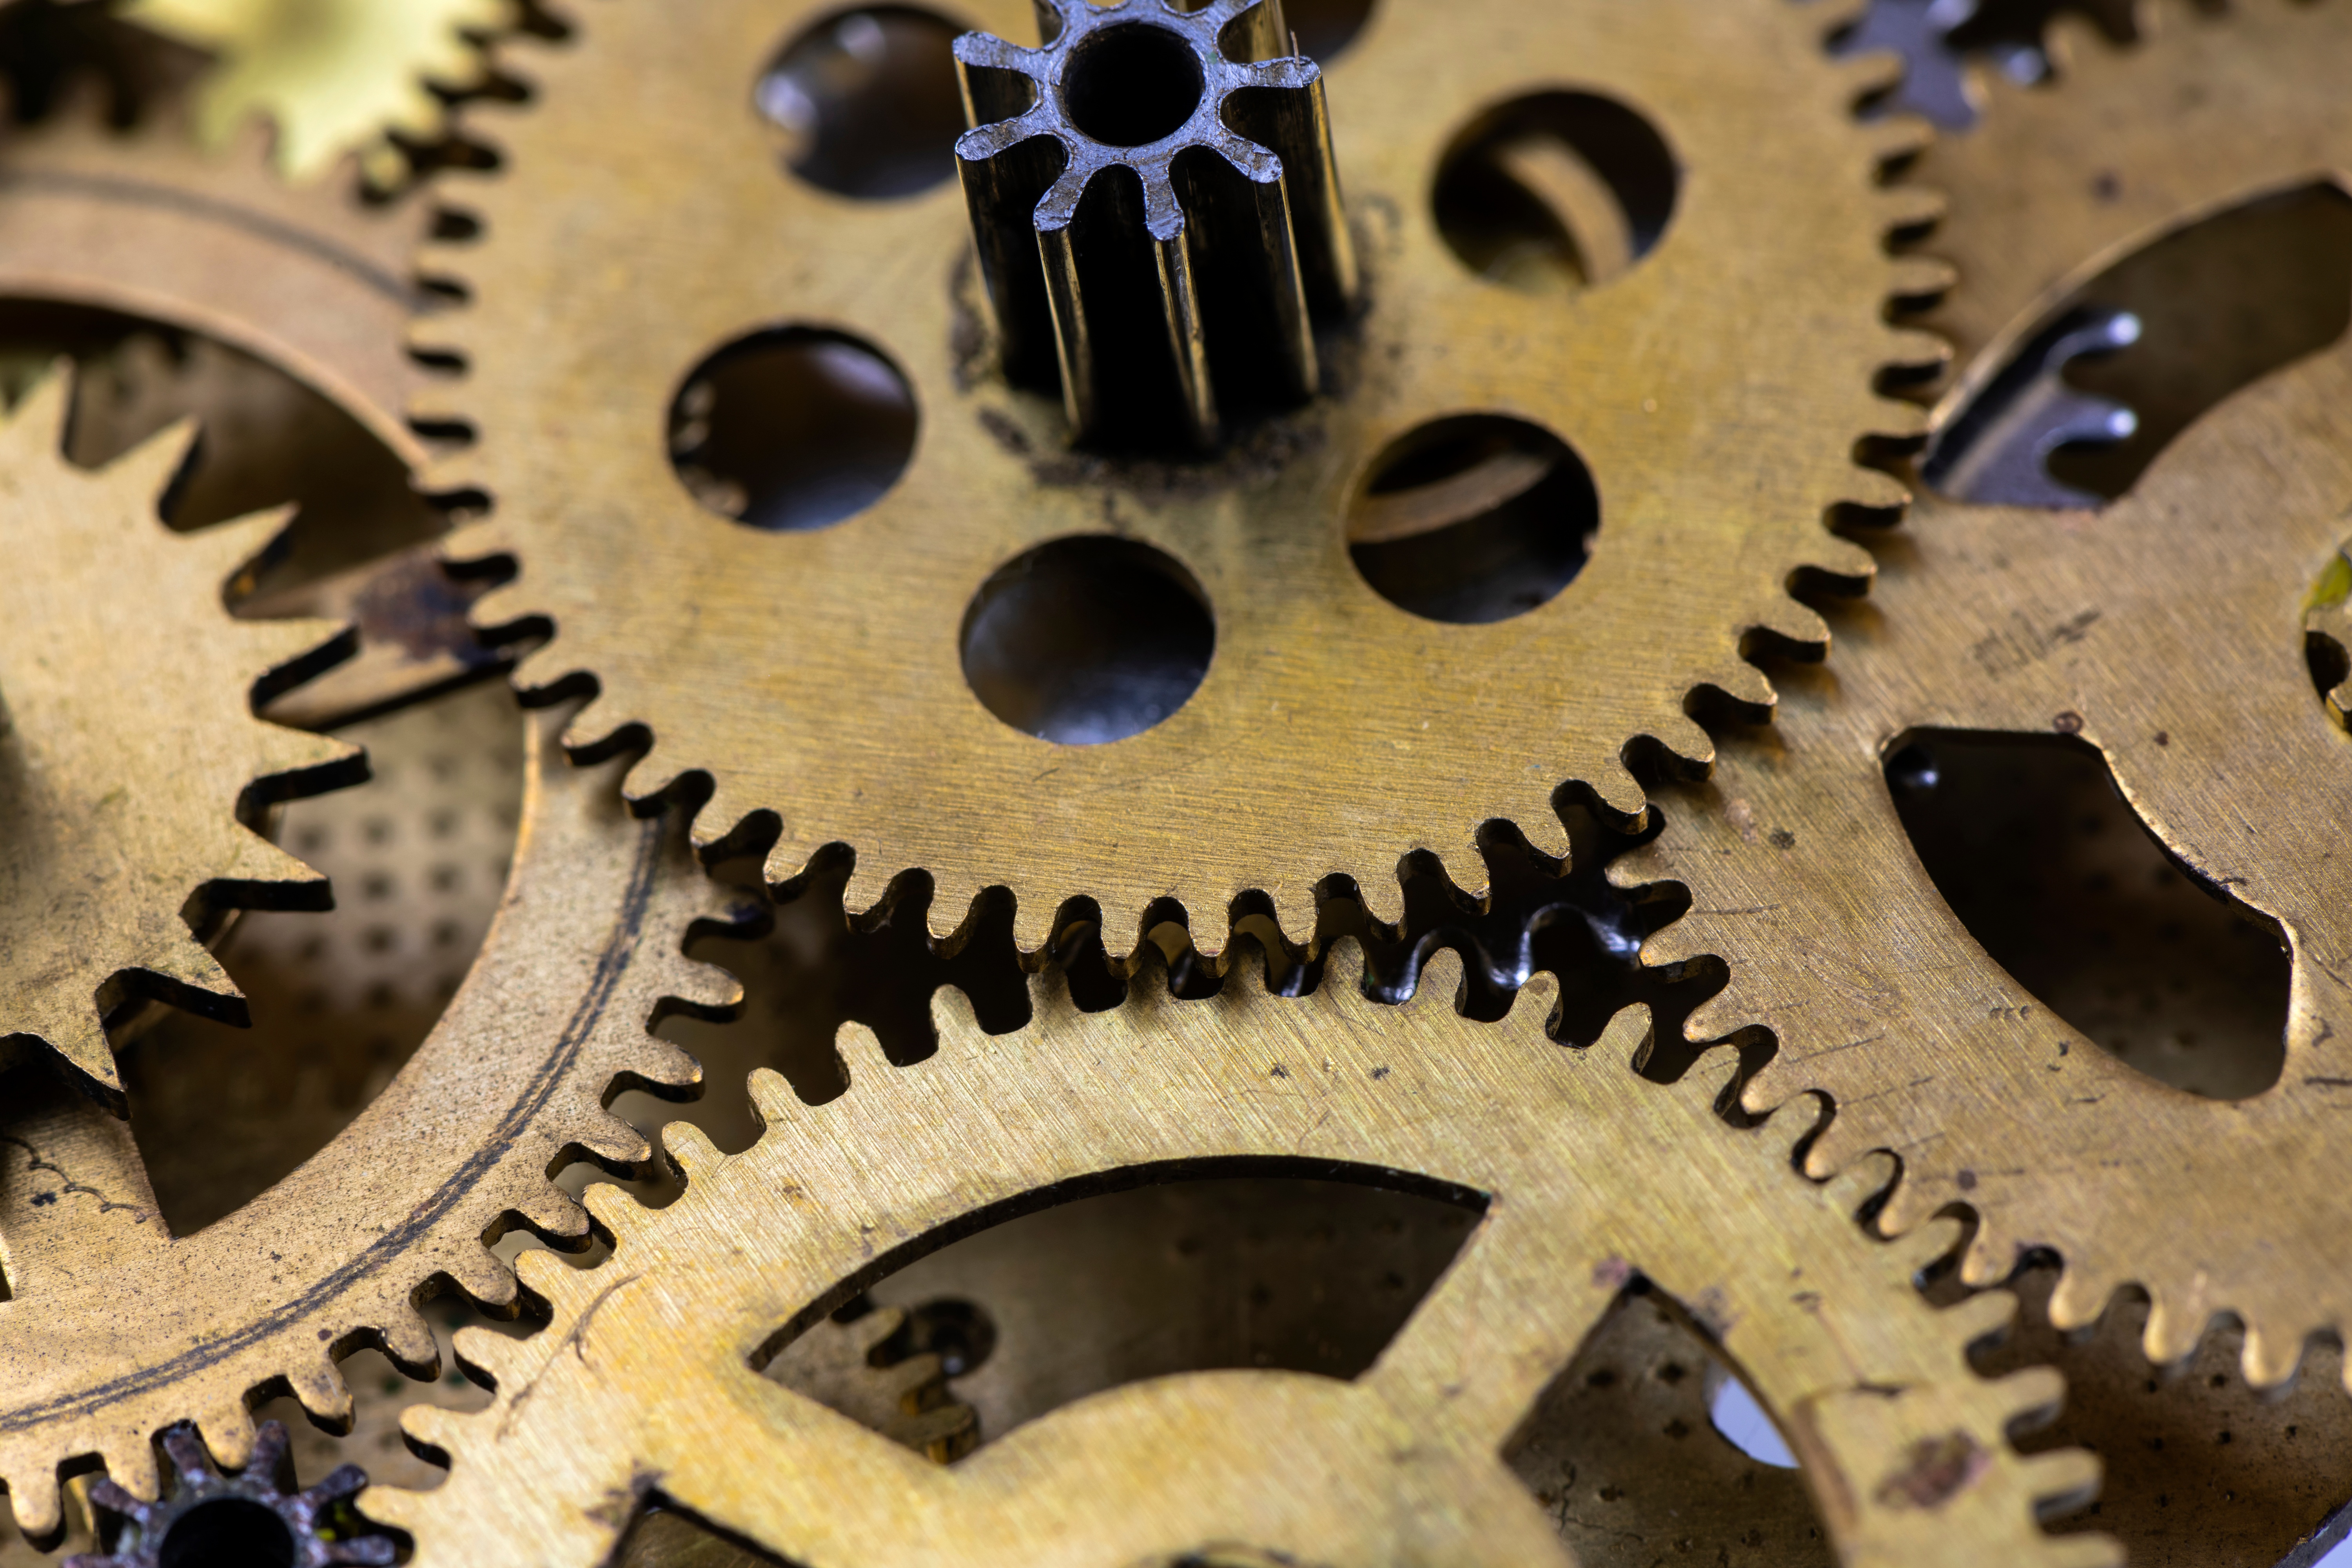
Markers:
(648, 1376)
(2166, 631)
(133, 821)
(816, 675)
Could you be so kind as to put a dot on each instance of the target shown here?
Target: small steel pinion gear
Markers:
(1141, 253)
(1583, 1174)
(133, 802)
(901, 682)
(253, 1515)
(2168, 632)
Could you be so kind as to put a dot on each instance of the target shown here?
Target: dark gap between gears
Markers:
(1130, 85)
(1556, 192)
(1322, 28)
(792, 430)
(232, 1532)
(2029, 842)
(868, 101)
(1087, 640)
(1473, 518)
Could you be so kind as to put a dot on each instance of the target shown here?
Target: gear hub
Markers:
(1156, 213)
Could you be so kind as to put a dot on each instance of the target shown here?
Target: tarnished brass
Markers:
(648, 1378)
(2166, 631)
(132, 814)
(816, 675)
(332, 77)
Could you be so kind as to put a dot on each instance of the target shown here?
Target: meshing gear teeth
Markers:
(2168, 632)
(647, 1376)
(1716, 390)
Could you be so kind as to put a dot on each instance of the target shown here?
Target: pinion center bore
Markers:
(1130, 85)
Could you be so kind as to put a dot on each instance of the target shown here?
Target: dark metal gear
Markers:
(207, 1517)
(1156, 211)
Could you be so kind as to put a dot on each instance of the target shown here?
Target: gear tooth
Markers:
(1627, 1034)
(691, 1150)
(1983, 1317)
(439, 405)
(2070, 40)
(1791, 622)
(1541, 994)
(1894, 421)
(320, 1391)
(1905, 208)
(546, 1275)
(221, 551)
(227, 1431)
(2031, 1394)
(1844, 559)
(505, 605)
(1440, 983)
(456, 472)
(435, 1426)
(2268, 1359)
(1909, 349)
(2173, 1329)
(1870, 73)
(1877, 490)
(257, 859)
(2088, 1549)
(617, 1211)
(650, 777)
(1924, 278)
(408, 1344)
(550, 1213)
(1745, 682)
(131, 1464)
(1343, 967)
(35, 1499)
(397, 1508)
(1856, 1183)
(772, 1098)
(38, 425)
(1681, 735)
(480, 1275)
(2062, 1479)
(2080, 1298)
(951, 1015)
(1897, 137)
(1924, 1246)
(540, 670)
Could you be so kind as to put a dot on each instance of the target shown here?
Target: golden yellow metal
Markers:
(648, 1377)
(1717, 389)
(116, 1328)
(2169, 631)
(133, 795)
(333, 78)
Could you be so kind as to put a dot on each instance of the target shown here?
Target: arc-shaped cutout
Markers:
(2030, 843)
(2214, 306)
(1142, 1274)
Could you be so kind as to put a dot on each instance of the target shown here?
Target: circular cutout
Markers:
(868, 101)
(792, 430)
(1086, 640)
(1473, 518)
(1130, 85)
(230, 1531)
(1556, 192)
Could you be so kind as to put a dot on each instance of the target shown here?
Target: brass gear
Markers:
(647, 1376)
(1717, 389)
(2166, 631)
(132, 819)
(333, 79)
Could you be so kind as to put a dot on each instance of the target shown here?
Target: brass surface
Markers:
(116, 1327)
(2168, 632)
(332, 77)
(131, 819)
(816, 674)
(647, 1377)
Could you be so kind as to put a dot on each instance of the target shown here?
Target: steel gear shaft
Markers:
(1156, 211)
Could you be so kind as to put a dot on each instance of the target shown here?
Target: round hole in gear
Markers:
(1130, 85)
(1473, 518)
(868, 101)
(229, 1533)
(1556, 192)
(792, 430)
(1089, 639)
